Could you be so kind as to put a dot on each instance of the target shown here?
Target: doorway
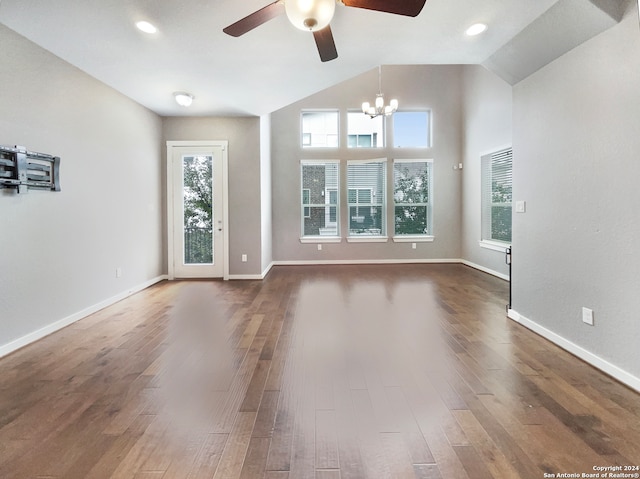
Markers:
(197, 209)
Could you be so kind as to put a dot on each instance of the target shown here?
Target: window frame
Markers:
(329, 207)
(487, 239)
(368, 238)
(429, 130)
(304, 135)
(380, 138)
(415, 238)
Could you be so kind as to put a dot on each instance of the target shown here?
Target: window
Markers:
(366, 198)
(320, 213)
(496, 196)
(412, 197)
(411, 129)
(320, 129)
(364, 132)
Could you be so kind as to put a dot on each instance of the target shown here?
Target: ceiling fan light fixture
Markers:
(183, 98)
(310, 15)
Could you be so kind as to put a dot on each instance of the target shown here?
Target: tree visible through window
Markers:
(198, 201)
(412, 196)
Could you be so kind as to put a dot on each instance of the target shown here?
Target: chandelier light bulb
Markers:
(379, 108)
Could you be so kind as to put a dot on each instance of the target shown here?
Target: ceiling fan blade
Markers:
(410, 8)
(254, 20)
(326, 45)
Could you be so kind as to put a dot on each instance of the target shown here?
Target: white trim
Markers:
(366, 261)
(587, 356)
(224, 144)
(495, 150)
(244, 277)
(64, 322)
(414, 239)
(367, 239)
(413, 160)
(485, 270)
(494, 245)
(321, 239)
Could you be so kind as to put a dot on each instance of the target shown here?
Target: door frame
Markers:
(170, 200)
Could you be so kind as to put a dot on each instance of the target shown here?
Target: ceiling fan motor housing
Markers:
(310, 15)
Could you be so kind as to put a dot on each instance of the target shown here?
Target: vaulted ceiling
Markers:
(275, 64)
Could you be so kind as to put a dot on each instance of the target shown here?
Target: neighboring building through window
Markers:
(497, 196)
(364, 132)
(319, 193)
(320, 129)
(412, 129)
(366, 197)
(412, 181)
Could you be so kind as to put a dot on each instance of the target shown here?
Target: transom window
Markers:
(364, 132)
(412, 129)
(320, 129)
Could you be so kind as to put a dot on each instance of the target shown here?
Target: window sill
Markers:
(367, 239)
(413, 239)
(321, 239)
(494, 245)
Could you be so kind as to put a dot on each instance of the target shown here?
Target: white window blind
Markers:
(497, 195)
(366, 197)
(412, 181)
(319, 194)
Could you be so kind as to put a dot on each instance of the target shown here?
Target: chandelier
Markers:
(379, 107)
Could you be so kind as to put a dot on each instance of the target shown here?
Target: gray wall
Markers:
(243, 135)
(576, 140)
(487, 128)
(417, 87)
(59, 250)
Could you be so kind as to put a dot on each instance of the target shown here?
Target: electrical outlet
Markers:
(244, 258)
(118, 272)
(413, 246)
(319, 247)
(587, 316)
(521, 206)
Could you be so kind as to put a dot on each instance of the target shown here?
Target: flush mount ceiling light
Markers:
(146, 27)
(183, 98)
(379, 108)
(310, 15)
(476, 29)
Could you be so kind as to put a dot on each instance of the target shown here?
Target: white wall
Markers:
(576, 140)
(487, 128)
(59, 250)
(437, 88)
(243, 135)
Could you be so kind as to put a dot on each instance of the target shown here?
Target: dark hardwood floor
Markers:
(394, 371)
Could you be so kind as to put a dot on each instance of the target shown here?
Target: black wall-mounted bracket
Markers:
(23, 170)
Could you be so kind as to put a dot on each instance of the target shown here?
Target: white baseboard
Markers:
(365, 261)
(58, 325)
(596, 361)
(485, 270)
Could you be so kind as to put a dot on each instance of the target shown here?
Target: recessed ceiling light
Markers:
(476, 29)
(146, 27)
(183, 98)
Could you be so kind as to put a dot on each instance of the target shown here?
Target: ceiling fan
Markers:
(315, 16)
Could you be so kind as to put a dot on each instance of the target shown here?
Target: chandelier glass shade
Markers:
(379, 108)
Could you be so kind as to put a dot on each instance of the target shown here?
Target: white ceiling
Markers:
(264, 70)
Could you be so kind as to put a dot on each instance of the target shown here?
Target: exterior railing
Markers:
(198, 245)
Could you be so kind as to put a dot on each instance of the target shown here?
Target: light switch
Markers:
(521, 206)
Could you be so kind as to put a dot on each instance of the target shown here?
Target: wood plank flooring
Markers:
(336, 372)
